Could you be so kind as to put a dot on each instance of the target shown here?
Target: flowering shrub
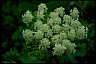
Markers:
(56, 30)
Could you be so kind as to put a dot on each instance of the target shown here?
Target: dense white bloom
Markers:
(60, 11)
(38, 24)
(44, 44)
(50, 22)
(44, 27)
(71, 34)
(40, 14)
(66, 27)
(74, 13)
(28, 35)
(80, 33)
(70, 46)
(56, 28)
(56, 39)
(42, 7)
(67, 19)
(27, 17)
(75, 24)
(59, 49)
(63, 35)
(49, 33)
(57, 20)
(53, 21)
(38, 35)
(54, 15)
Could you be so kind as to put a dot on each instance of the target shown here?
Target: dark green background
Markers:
(14, 48)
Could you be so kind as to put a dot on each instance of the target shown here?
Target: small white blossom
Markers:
(54, 15)
(80, 33)
(28, 35)
(44, 44)
(38, 24)
(60, 11)
(27, 17)
(44, 28)
(67, 19)
(49, 33)
(71, 34)
(63, 35)
(42, 7)
(74, 13)
(66, 27)
(70, 46)
(56, 39)
(38, 35)
(40, 14)
(75, 24)
(56, 29)
(50, 22)
(57, 20)
(59, 49)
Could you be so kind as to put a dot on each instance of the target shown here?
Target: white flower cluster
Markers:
(44, 44)
(60, 11)
(60, 29)
(27, 35)
(41, 10)
(27, 17)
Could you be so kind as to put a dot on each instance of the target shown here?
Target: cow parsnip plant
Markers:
(56, 30)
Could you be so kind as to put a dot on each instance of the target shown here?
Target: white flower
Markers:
(57, 20)
(42, 7)
(66, 27)
(70, 46)
(54, 15)
(28, 35)
(59, 49)
(44, 28)
(40, 14)
(71, 34)
(67, 19)
(49, 33)
(75, 24)
(44, 44)
(60, 11)
(74, 13)
(53, 21)
(50, 22)
(56, 39)
(38, 35)
(80, 33)
(63, 35)
(27, 17)
(38, 24)
(56, 28)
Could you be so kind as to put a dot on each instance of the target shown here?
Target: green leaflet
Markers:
(72, 59)
(30, 60)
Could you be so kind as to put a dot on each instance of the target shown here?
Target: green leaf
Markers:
(6, 62)
(91, 34)
(71, 58)
(80, 53)
(30, 60)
